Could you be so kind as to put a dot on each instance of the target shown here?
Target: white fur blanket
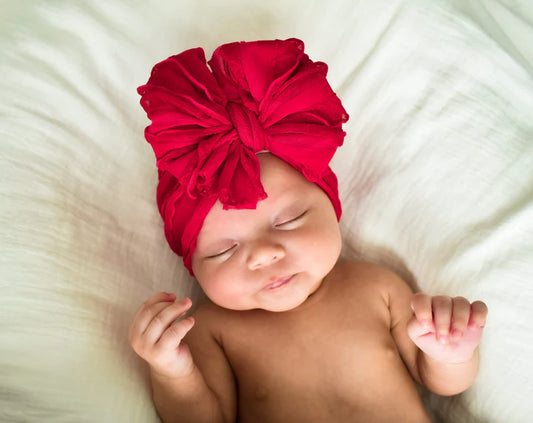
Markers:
(436, 178)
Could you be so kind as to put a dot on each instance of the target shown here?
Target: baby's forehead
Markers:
(289, 198)
(278, 175)
(275, 202)
(287, 191)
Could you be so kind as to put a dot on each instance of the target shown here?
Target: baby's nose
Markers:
(265, 253)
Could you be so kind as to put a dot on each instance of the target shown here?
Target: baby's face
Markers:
(272, 257)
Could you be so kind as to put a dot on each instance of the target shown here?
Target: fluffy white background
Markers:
(436, 177)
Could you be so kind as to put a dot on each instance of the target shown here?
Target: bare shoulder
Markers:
(209, 317)
(370, 277)
(207, 310)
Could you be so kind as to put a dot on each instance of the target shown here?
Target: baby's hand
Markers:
(153, 336)
(446, 329)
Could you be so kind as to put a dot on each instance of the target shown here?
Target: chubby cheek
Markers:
(221, 286)
(322, 244)
(331, 250)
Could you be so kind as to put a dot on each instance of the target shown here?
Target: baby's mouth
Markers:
(279, 282)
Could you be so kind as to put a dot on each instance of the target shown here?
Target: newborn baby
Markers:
(289, 333)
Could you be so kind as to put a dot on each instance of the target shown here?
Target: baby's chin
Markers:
(273, 303)
(280, 308)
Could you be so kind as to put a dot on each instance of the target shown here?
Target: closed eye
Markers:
(288, 223)
(222, 253)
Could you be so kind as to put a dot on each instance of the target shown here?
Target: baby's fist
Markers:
(156, 336)
(447, 329)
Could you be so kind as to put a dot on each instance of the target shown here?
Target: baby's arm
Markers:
(180, 391)
(438, 338)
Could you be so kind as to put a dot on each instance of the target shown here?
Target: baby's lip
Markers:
(278, 282)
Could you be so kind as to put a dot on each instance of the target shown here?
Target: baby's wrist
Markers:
(165, 376)
(450, 359)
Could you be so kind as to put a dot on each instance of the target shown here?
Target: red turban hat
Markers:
(208, 125)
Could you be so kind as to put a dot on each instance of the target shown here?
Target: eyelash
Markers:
(222, 252)
(291, 220)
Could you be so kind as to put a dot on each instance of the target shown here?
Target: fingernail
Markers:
(443, 339)
(475, 325)
(169, 297)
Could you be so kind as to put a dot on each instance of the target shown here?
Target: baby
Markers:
(290, 333)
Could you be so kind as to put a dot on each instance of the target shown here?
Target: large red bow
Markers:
(208, 126)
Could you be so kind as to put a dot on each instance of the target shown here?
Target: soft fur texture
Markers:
(436, 177)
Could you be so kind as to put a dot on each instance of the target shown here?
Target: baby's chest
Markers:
(291, 365)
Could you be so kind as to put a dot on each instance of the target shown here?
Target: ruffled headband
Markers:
(207, 126)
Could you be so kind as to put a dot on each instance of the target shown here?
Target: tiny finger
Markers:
(164, 319)
(154, 299)
(460, 316)
(173, 336)
(442, 316)
(421, 306)
(160, 296)
(145, 315)
(478, 315)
